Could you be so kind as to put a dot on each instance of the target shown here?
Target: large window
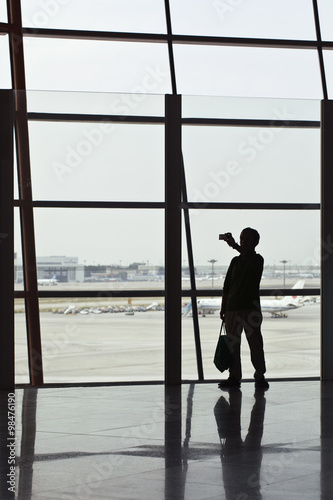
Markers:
(257, 152)
(90, 83)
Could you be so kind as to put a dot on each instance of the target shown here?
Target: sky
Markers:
(81, 161)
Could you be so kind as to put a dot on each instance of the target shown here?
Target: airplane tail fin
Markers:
(187, 309)
(299, 284)
(293, 299)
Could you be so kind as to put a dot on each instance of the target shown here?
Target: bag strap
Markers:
(222, 323)
(221, 329)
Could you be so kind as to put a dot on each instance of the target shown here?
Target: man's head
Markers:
(249, 238)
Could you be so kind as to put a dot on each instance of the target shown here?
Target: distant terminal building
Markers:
(64, 268)
(145, 272)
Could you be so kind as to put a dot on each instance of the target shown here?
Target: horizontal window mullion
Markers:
(68, 117)
(76, 117)
(211, 292)
(177, 39)
(264, 292)
(237, 122)
(98, 204)
(250, 206)
(102, 294)
(161, 205)
(95, 35)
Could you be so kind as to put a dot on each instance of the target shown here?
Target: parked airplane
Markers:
(48, 281)
(208, 277)
(275, 306)
(208, 306)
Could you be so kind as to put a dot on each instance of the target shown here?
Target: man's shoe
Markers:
(230, 382)
(261, 384)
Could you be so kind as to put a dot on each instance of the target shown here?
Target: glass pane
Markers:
(18, 269)
(328, 60)
(292, 343)
(325, 9)
(255, 19)
(252, 164)
(97, 161)
(102, 347)
(5, 76)
(285, 235)
(21, 350)
(100, 15)
(247, 72)
(99, 103)
(250, 108)
(127, 246)
(97, 66)
(3, 12)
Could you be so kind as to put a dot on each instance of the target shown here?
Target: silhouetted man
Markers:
(241, 309)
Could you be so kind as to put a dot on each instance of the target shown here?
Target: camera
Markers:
(224, 236)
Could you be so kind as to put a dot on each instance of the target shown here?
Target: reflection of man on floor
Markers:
(241, 460)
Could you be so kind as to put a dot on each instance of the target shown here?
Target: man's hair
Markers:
(254, 233)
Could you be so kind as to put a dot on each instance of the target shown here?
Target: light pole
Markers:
(284, 262)
(212, 262)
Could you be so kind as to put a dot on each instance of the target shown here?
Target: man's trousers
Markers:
(249, 321)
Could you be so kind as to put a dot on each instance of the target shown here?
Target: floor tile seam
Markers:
(115, 435)
(271, 429)
(138, 439)
(281, 404)
(101, 434)
(128, 428)
(317, 442)
(108, 479)
(111, 451)
(188, 480)
(97, 434)
(105, 410)
(289, 446)
(269, 452)
(86, 434)
(81, 423)
(88, 484)
(272, 395)
(279, 480)
(107, 457)
(273, 420)
(146, 385)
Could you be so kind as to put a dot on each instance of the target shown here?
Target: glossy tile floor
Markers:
(195, 443)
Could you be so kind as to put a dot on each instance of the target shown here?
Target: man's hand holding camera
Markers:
(229, 239)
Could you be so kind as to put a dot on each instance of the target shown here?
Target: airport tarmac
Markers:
(159, 284)
(111, 298)
(112, 347)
